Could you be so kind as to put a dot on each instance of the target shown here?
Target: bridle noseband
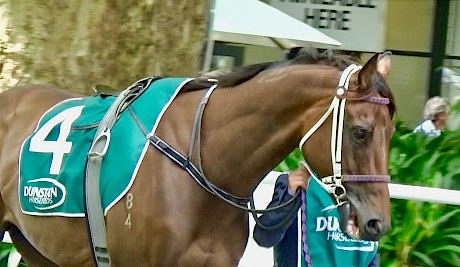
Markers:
(333, 184)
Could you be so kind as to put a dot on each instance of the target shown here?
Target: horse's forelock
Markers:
(377, 87)
(384, 90)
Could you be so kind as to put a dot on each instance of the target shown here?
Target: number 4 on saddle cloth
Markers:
(53, 158)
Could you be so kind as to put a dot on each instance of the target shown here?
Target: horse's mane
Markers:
(334, 58)
(231, 78)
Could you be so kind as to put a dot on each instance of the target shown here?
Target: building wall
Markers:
(453, 32)
(409, 25)
(409, 30)
(258, 54)
(409, 79)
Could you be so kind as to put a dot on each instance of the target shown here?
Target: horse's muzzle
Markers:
(371, 229)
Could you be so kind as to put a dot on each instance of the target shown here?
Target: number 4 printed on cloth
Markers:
(61, 146)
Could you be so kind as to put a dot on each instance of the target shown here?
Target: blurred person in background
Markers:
(435, 114)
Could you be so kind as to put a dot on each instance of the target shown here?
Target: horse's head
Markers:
(360, 151)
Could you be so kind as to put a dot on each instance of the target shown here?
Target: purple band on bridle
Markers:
(341, 92)
(366, 178)
(378, 100)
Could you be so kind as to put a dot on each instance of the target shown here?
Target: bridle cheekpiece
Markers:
(333, 184)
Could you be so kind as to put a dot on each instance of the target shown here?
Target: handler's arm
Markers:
(284, 191)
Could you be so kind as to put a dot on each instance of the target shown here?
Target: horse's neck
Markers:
(250, 128)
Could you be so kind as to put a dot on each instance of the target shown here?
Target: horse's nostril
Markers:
(374, 227)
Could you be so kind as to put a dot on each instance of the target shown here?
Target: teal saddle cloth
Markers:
(53, 158)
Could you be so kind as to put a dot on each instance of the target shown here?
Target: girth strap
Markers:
(93, 209)
(92, 200)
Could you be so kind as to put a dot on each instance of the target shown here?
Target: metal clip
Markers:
(339, 196)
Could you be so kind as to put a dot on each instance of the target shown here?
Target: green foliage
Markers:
(5, 250)
(454, 117)
(419, 160)
(291, 162)
(423, 234)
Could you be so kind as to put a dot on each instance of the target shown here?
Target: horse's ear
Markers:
(378, 63)
(384, 64)
(364, 77)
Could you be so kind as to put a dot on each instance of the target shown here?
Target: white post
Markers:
(210, 41)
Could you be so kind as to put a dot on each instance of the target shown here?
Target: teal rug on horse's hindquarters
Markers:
(53, 158)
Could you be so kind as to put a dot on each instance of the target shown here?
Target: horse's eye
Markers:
(360, 134)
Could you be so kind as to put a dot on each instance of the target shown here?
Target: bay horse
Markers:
(256, 116)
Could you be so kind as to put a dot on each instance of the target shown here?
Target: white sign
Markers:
(358, 24)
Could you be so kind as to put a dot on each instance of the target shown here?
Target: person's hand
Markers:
(298, 179)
